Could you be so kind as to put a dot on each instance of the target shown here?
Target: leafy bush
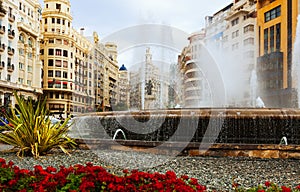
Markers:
(90, 178)
(31, 130)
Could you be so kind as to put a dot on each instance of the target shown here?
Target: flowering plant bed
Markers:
(89, 178)
(267, 187)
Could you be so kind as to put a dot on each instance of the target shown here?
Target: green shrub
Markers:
(32, 132)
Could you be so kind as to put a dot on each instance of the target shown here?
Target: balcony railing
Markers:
(2, 12)
(10, 51)
(2, 64)
(11, 17)
(2, 30)
(2, 47)
(10, 68)
(11, 34)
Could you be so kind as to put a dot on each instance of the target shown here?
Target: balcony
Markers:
(2, 30)
(11, 34)
(10, 51)
(27, 28)
(2, 12)
(2, 47)
(10, 68)
(2, 65)
(11, 17)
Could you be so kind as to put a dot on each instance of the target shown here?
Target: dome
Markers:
(122, 68)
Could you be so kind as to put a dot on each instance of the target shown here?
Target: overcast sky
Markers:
(108, 17)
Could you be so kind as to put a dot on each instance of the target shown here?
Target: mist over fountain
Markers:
(296, 62)
(225, 122)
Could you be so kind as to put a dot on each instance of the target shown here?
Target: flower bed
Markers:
(90, 178)
(95, 178)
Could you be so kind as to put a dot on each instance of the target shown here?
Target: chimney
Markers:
(81, 31)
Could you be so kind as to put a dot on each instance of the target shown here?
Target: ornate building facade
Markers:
(20, 67)
(71, 63)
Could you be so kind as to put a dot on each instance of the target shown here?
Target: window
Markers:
(51, 52)
(58, 21)
(65, 74)
(248, 28)
(65, 54)
(29, 68)
(278, 37)
(65, 64)
(8, 77)
(235, 22)
(21, 65)
(20, 6)
(57, 63)
(50, 62)
(272, 14)
(58, 52)
(42, 51)
(21, 51)
(266, 43)
(235, 34)
(57, 73)
(272, 40)
(235, 46)
(58, 6)
(46, 5)
(53, 20)
(20, 80)
(50, 73)
(249, 41)
(51, 40)
(46, 19)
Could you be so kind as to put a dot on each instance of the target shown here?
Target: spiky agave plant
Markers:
(32, 132)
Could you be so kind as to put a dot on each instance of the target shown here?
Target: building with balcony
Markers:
(80, 75)
(105, 68)
(239, 48)
(276, 29)
(20, 66)
(196, 91)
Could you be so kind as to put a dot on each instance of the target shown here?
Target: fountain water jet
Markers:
(116, 133)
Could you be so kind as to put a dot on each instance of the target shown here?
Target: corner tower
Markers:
(57, 47)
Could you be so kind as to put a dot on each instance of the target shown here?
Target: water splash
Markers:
(283, 141)
(116, 133)
(259, 103)
(296, 62)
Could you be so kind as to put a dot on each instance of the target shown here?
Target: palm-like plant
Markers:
(31, 130)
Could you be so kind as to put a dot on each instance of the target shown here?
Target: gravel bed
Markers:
(217, 173)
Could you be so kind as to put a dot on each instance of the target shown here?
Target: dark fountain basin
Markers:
(224, 131)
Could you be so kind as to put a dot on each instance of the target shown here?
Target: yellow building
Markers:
(276, 26)
(105, 74)
(20, 67)
(79, 75)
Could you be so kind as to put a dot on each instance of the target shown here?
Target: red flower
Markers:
(267, 183)
(235, 185)
(286, 189)
(298, 187)
(260, 190)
